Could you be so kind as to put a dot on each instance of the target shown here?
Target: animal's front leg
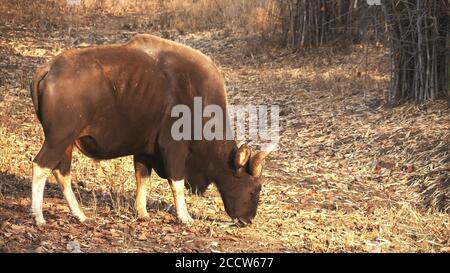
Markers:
(142, 173)
(180, 203)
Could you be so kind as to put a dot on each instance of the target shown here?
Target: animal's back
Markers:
(110, 97)
(184, 61)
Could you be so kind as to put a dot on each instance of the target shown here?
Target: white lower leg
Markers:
(37, 192)
(142, 177)
(65, 182)
(141, 200)
(180, 203)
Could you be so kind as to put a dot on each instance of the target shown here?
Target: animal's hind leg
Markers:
(142, 172)
(47, 159)
(40, 175)
(62, 175)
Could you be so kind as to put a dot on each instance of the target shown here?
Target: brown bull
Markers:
(116, 100)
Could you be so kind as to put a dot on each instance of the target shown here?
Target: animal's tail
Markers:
(34, 87)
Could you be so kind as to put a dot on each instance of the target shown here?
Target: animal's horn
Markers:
(257, 161)
(242, 156)
(240, 143)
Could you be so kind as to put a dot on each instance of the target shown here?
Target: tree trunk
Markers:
(418, 33)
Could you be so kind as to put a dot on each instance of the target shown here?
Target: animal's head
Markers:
(240, 183)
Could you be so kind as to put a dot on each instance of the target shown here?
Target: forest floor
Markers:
(351, 174)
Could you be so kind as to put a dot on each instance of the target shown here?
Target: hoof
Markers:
(86, 221)
(82, 218)
(144, 216)
(40, 222)
(38, 218)
(186, 220)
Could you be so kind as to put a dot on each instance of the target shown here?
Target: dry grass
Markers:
(346, 178)
(207, 14)
(255, 16)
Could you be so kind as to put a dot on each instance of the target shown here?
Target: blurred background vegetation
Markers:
(416, 32)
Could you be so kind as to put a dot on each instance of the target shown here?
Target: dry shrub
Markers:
(194, 15)
(59, 14)
(260, 18)
(255, 17)
(39, 12)
(206, 14)
(122, 7)
(272, 20)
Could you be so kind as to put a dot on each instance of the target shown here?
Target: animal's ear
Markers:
(257, 161)
(242, 156)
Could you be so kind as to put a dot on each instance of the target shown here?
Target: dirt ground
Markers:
(351, 174)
